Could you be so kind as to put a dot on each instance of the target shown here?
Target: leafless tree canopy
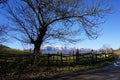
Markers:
(3, 1)
(3, 32)
(37, 21)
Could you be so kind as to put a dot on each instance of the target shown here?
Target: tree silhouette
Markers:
(38, 21)
(3, 32)
(3, 1)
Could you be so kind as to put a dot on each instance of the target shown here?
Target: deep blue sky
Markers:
(110, 33)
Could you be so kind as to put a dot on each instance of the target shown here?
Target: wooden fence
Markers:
(77, 59)
(58, 59)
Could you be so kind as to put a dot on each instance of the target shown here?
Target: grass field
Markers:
(117, 51)
(16, 65)
(7, 50)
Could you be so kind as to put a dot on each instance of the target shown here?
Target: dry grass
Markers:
(117, 51)
(21, 70)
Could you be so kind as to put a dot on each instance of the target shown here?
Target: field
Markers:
(117, 51)
(20, 65)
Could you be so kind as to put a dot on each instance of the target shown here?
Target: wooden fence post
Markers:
(61, 59)
(48, 59)
(95, 58)
(77, 56)
(73, 59)
(105, 56)
(57, 58)
(90, 61)
(92, 58)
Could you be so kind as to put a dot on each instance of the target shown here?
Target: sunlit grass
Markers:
(11, 51)
(117, 51)
(21, 65)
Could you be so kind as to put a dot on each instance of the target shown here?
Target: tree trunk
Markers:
(39, 41)
(37, 48)
(36, 58)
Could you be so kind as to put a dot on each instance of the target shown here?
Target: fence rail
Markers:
(58, 59)
(78, 59)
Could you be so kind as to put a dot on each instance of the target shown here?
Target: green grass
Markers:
(16, 64)
(7, 50)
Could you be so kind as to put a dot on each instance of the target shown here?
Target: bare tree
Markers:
(37, 21)
(3, 1)
(3, 28)
(3, 32)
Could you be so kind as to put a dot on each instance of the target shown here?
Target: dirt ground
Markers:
(107, 73)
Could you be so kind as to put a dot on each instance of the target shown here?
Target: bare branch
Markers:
(65, 20)
(3, 32)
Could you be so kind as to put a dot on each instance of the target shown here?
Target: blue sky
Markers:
(110, 33)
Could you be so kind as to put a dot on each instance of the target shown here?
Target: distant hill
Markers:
(3, 46)
(7, 50)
